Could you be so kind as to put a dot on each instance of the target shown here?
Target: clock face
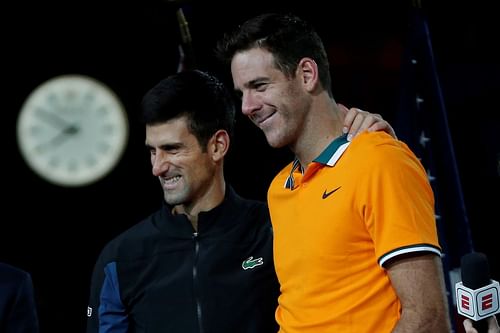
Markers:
(72, 130)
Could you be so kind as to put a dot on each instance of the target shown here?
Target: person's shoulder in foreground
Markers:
(18, 311)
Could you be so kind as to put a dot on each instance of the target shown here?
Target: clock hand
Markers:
(53, 119)
(58, 139)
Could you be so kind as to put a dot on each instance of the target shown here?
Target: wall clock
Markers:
(72, 130)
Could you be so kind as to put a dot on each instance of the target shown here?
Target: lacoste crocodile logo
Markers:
(251, 263)
(327, 194)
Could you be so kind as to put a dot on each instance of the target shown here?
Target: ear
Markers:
(219, 145)
(307, 71)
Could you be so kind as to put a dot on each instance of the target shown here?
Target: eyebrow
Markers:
(167, 146)
(256, 81)
(253, 83)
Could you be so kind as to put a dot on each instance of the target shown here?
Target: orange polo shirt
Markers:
(353, 208)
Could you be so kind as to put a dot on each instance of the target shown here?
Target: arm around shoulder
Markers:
(18, 311)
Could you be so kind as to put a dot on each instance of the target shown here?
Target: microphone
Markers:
(477, 295)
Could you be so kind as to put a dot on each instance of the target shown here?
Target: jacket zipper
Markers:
(195, 281)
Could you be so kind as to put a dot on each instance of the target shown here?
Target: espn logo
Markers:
(487, 302)
(479, 303)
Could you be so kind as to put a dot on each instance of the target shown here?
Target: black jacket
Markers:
(18, 312)
(162, 277)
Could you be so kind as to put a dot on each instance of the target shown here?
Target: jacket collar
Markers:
(212, 222)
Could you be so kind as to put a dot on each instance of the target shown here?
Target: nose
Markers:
(249, 103)
(160, 163)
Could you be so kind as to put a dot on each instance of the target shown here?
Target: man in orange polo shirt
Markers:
(356, 247)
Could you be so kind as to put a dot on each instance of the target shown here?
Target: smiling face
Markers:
(186, 171)
(278, 105)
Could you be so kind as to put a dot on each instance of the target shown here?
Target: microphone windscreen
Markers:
(475, 271)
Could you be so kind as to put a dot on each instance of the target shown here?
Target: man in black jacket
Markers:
(18, 312)
(203, 262)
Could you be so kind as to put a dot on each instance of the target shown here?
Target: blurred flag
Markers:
(422, 123)
(186, 52)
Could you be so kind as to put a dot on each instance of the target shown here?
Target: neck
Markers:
(323, 124)
(207, 200)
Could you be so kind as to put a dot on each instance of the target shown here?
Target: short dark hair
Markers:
(199, 96)
(286, 36)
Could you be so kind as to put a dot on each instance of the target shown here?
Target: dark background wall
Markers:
(56, 233)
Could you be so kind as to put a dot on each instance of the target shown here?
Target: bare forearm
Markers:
(419, 284)
(413, 322)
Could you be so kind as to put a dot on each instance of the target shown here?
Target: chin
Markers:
(276, 142)
(174, 200)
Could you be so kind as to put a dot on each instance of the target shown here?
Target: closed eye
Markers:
(260, 87)
(169, 148)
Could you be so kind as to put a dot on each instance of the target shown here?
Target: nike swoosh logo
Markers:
(327, 194)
